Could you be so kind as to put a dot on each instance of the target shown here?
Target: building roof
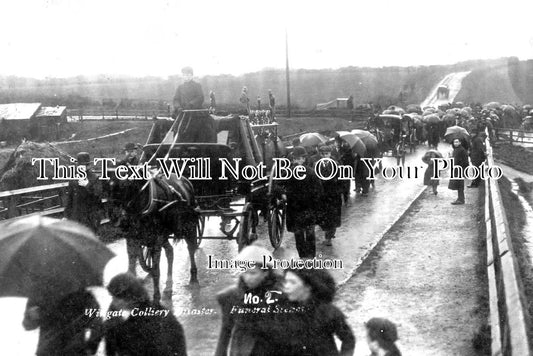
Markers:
(18, 111)
(51, 111)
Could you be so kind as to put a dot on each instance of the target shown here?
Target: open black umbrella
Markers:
(312, 139)
(431, 119)
(431, 154)
(454, 132)
(44, 258)
(356, 144)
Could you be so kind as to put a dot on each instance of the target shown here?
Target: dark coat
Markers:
(331, 203)
(433, 135)
(84, 203)
(346, 158)
(189, 96)
(361, 174)
(246, 334)
(145, 335)
(477, 151)
(460, 158)
(303, 200)
(63, 326)
(197, 127)
(311, 332)
(428, 174)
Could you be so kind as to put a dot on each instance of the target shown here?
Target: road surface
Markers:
(453, 81)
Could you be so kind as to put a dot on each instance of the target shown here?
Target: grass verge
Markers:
(517, 157)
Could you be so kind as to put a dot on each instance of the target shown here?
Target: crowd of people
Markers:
(294, 315)
(318, 202)
(301, 320)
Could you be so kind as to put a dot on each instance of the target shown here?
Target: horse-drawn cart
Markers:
(189, 182)
(391, 135)
(220, 174)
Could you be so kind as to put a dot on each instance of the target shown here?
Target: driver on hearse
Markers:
(196, 126)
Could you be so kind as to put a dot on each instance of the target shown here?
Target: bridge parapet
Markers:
(509, 319)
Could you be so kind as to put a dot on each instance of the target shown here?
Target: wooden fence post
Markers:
(11, 207)
(511, 137)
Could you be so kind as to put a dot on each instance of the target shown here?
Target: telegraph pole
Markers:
(287, 74)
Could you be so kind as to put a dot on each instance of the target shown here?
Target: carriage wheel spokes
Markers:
(276, 224)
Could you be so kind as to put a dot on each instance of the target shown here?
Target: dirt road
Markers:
(453, 81)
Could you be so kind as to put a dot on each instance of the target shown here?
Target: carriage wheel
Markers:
(276, 224)
(200, 226)
(146, 259)
(247, 223)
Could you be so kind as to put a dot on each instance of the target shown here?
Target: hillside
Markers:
(491, 83)
(506, 79)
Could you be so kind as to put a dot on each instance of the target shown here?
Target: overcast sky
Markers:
(60, 38)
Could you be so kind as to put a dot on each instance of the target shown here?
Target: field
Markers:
(518, 157)
(137, 131)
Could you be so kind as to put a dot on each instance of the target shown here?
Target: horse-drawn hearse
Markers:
(212, 181)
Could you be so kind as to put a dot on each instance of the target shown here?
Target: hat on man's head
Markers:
(83, 158)
(324, 149)
(187, 70)
(127, 286)
(298, 152)
(130, 146)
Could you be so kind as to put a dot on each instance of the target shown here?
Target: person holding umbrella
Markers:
(460, 158)
(330, 214)
(64, 324)
(51, 262)
(428, 159)
(303, 197)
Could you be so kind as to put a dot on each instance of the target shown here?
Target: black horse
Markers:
(149, 211)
